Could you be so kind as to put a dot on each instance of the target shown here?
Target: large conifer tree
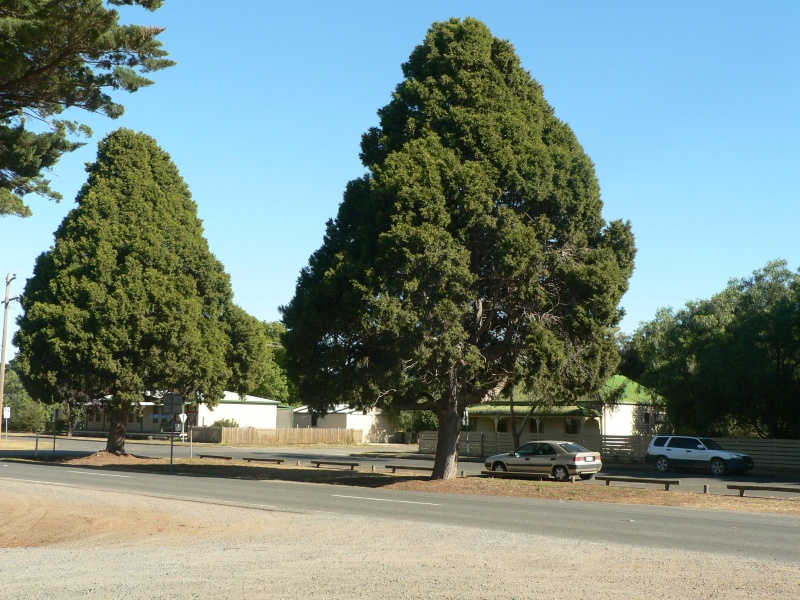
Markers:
(129, 299)
(471, 256)
(56, 55)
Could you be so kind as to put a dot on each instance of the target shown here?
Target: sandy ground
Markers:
(67, 542)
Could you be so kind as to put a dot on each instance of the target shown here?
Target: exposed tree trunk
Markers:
(446, 464)
(70, 425)
(118, 425)
(515, 433)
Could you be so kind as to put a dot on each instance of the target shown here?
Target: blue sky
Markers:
(689, 111)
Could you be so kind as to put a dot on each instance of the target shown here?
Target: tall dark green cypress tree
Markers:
(473, 254)
(129, 299)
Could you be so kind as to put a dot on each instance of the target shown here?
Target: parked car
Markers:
(557, 458)
(678, 452)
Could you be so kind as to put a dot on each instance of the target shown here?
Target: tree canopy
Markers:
(274, 383)
(130, 299)
(27, 414)
(730, 364)
(56, 55)
(472, 255)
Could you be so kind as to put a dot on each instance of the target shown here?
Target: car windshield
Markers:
(711, 444)
(571, 447)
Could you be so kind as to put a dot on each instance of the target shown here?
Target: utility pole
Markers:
(9, 278)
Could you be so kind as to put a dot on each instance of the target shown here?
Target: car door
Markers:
(520, 459)
(684, 452)
(544, 456)
(701, 456)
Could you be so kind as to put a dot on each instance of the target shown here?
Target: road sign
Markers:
(182, 417)
(173, 403)
(6, 412)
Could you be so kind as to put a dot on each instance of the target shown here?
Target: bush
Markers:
(225, 423)
(414, 421)
(27, 414)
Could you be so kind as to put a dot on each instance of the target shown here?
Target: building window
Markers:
(571, 426)
(535, 426)
(502, 426)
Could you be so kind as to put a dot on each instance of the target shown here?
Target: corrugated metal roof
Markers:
(233, 398)
(504, 410)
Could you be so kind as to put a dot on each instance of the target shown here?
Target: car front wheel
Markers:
(662, 464)
(498, 466)
(561, 473)
(718, 467)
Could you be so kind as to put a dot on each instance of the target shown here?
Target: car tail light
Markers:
(579, 459)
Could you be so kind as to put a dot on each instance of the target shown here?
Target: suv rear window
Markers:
(659, 441)
(682, 442)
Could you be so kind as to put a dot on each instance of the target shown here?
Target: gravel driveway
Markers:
(72, 543)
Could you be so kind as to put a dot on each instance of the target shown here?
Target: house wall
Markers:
(97, 420)
(374, 428)
(246, 414)
(619, 420)
(633, 419)
(380, 431)
(285, 417)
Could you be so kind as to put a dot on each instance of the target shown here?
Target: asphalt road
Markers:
(737, 534)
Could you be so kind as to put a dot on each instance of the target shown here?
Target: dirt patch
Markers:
(31, 521)
(579, 491)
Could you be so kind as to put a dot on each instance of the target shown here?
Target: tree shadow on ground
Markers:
(234, 469)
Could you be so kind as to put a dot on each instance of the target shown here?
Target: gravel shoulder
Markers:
(80, 543)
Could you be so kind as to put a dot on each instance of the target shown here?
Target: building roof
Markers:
(234, 398)
(339, 409)
(632, 392)
(625, 390)
(504, 410)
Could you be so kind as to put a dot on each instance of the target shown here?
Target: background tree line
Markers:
(729, 365)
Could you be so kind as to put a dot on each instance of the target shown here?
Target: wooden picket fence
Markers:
(769, 455)
(250, 436)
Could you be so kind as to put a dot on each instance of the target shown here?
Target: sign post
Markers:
(6, 417)
(173, 404)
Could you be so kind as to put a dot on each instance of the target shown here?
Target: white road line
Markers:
(97, 474)
(385, 500)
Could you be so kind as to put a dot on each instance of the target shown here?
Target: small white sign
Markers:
(6, 412)
(182, 417)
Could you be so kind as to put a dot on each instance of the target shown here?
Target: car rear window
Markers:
(572, 447)
(711, 444)
(681, 442)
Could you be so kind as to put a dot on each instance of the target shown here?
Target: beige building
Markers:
(375, 427)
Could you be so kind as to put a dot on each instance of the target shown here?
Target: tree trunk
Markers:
(515, 433)
(446, 464)
(70, 425)
(118, 424)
